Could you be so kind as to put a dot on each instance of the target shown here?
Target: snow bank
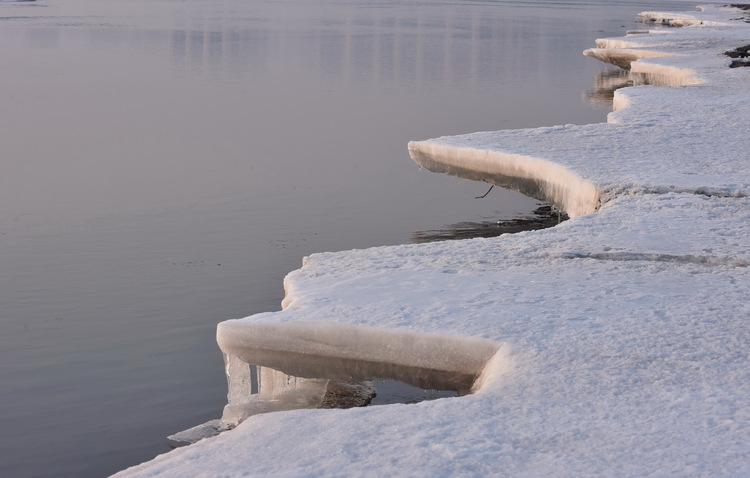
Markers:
(624, 334)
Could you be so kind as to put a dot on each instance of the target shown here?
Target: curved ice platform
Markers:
(323, 351)
(532, 176)
(357, 353)
(625, 338)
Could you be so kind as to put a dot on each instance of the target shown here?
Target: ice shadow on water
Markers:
(391, 391)
(543, 217)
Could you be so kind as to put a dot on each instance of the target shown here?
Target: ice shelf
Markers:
(358, 353)
(298, 360)
(625, 345)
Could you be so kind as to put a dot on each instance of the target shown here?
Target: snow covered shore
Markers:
(622, 334)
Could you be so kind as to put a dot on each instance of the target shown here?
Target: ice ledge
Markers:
(358, 353)
(623, 57)
(284, 366)
(534, 177)
(707, 16)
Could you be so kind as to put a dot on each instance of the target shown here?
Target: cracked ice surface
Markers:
(624, 334)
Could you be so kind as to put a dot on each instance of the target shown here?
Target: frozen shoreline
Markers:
(622, 334)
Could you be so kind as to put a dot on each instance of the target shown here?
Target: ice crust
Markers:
(625, 339)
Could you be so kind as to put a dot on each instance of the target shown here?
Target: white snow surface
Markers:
(624, 337)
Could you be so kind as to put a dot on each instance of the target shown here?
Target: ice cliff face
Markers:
(299, 359)
(532, 176)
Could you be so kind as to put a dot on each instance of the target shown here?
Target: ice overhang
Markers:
(643, 72)
(623, 57)
(534, 177)
(358, 353)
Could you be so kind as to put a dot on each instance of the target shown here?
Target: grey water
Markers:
(392, 391)
(165, 163)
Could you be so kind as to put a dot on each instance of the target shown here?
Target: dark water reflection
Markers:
(607, 82)
(166, 163)
(542, 217)
(392, 391)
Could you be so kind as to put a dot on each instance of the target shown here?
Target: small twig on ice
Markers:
(485, 194)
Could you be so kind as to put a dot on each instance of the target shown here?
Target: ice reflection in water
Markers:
(607, 82)
(543, 217)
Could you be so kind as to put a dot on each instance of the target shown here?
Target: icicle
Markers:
(240, 387)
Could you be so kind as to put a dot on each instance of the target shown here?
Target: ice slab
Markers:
(709, 17)
(199, 432)
(285, 366)
(623, 57)
(356, 353)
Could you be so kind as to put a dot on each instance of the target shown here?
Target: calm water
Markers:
(165, 163)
